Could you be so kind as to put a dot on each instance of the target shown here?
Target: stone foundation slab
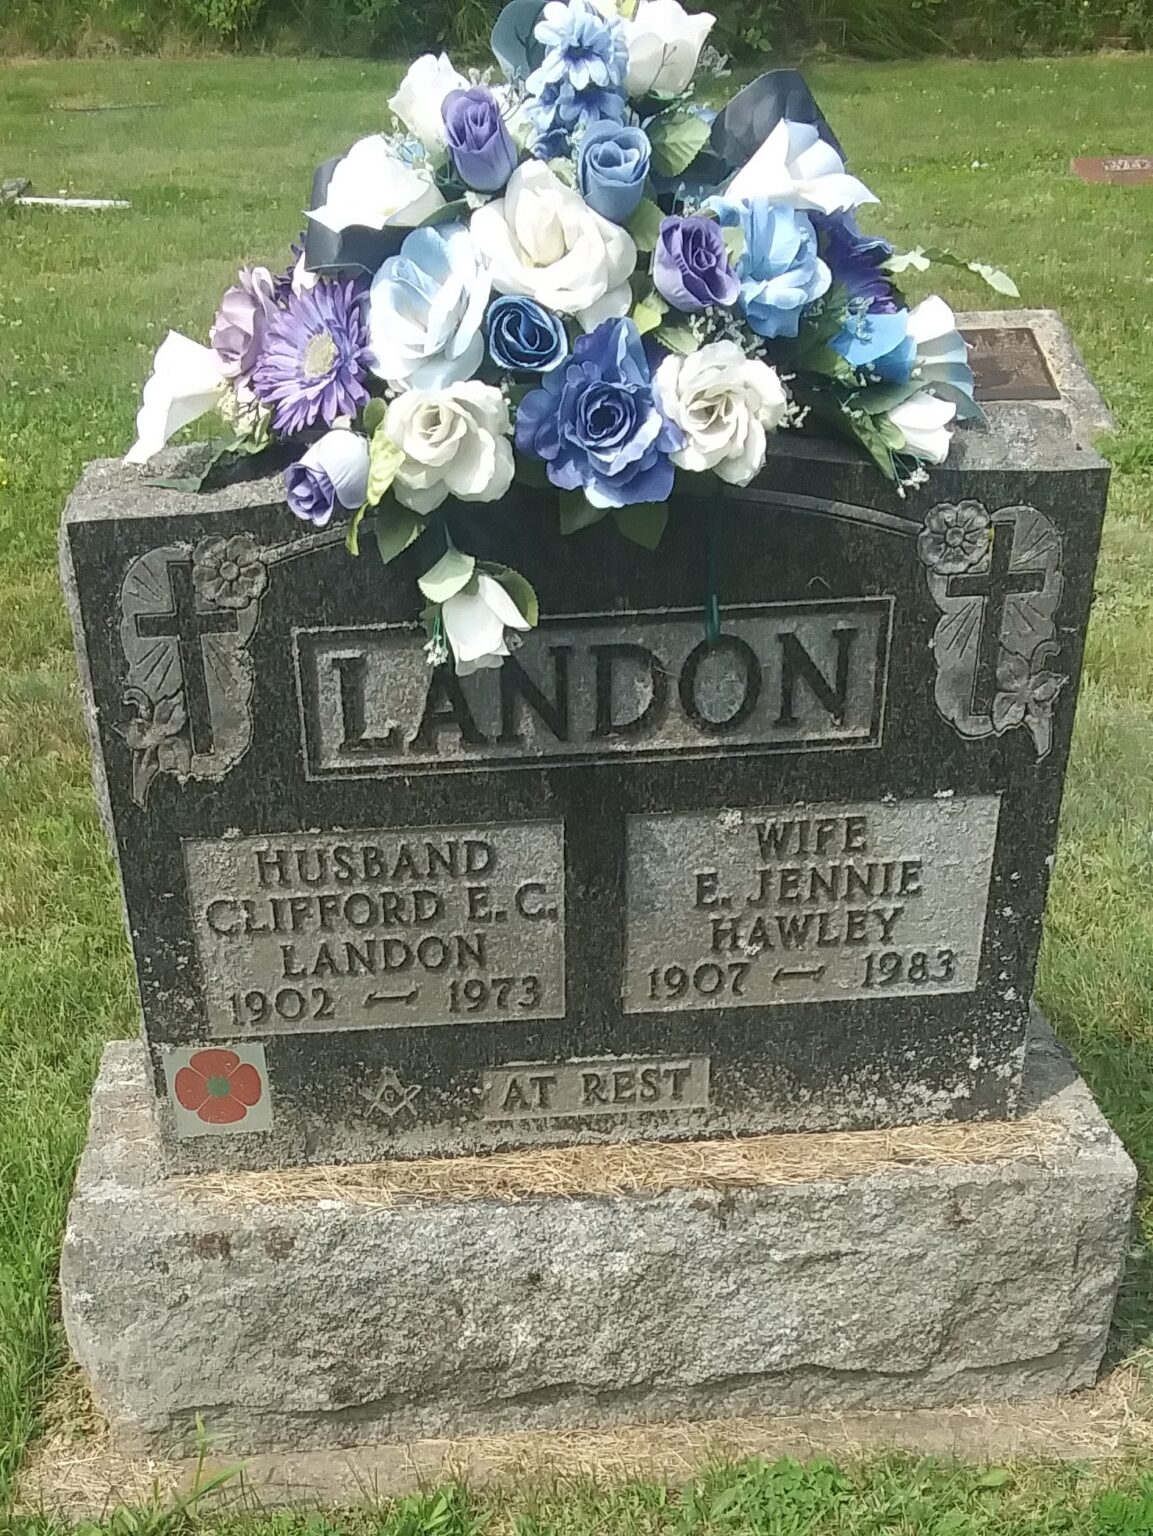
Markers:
(878, 1270)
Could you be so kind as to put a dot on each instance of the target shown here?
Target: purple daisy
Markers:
(313, 362)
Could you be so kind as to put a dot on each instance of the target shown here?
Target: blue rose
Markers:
(522, 335)
(780, 271)
(612, 169)
(877, 345)
(481, 146)
(596, 424)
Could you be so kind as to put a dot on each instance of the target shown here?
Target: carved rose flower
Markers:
(1027, 691)
(157, 731)
(228, 572)
(954, 537)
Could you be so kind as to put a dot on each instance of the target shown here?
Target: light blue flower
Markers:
(611, 169)
(580, 80)
(582, 47)
(425, 310)
(876, 345)
(780, 271)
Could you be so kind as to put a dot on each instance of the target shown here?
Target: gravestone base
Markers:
(866, 1270)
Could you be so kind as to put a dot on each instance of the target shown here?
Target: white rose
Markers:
(455, 443)
(420, 98)
(372, 187)
(187, 380)
(796, 168)
(475, 620)
(664, 44)
(542, 239)
(923, 421)
(724, 403)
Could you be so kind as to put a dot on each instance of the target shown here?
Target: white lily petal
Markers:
(187, 379)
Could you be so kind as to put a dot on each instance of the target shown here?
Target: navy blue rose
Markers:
(596, 424)
(523, 335)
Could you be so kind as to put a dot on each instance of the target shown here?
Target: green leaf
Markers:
(649, 312)
(372, 416)
(734, 239)
(457, 209)
(921, 257)
(519, 588)
(384, 459)
(219, 448)
(396, 527)
(677, 138)
(577, 513)
(995, 1477)
(448, 576)
(564, 170)
(678, 338)
(645, 225)
(352, 536)
(643, 523)
(531, 472)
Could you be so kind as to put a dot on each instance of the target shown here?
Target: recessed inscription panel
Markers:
(807, 903)
(379, 929)
(780, 676)
(621, 1085)
(1008, 364)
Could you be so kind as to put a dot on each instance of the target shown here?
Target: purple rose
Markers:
(311, 493)
(334, 471)
(691, 266)
(478, 141)
(596, 422)
(237, 334)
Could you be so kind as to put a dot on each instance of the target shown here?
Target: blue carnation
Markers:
(596, 424)
(524, 336)
(780, 271)
(580, 80)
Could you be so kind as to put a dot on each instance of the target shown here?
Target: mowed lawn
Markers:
(216, 159)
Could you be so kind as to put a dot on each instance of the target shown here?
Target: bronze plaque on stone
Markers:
(1115, 170)
(1009, 364)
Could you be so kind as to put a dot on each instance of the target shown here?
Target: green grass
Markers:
(970, 155)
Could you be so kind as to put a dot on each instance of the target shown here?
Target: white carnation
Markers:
(455, 443)
(725, 403)
(542, 239)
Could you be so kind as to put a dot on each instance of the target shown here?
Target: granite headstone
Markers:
(646, 880)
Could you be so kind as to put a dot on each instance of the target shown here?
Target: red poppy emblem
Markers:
(218, 1087)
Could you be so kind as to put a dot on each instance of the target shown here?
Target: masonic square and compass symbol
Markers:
(997, 582)
(390, 1096)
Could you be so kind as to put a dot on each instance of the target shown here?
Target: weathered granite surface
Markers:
(321, 1323)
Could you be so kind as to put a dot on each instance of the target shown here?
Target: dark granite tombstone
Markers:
(639, 883)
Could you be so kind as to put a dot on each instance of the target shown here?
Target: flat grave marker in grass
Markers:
(645, 880)
(1115, 170)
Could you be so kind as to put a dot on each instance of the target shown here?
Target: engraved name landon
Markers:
(779, 676)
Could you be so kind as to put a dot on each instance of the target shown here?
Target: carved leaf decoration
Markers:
(1008, 712)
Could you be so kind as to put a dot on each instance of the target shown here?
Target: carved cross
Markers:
(186, 624)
